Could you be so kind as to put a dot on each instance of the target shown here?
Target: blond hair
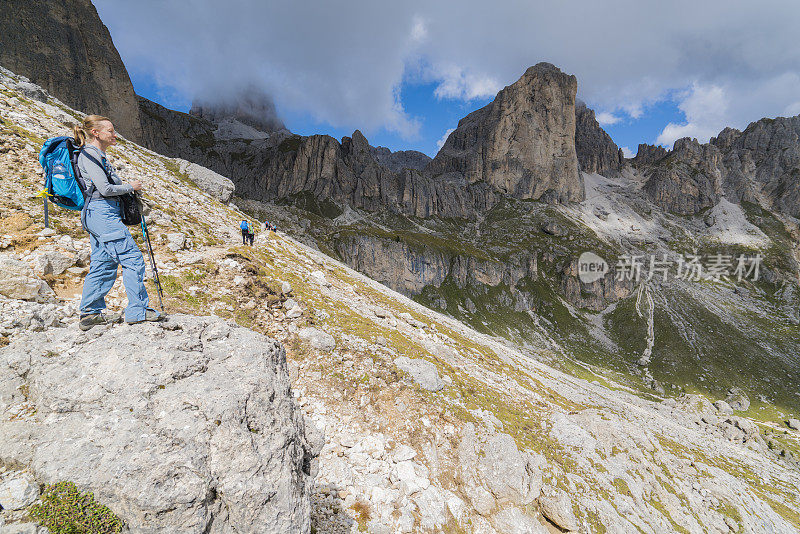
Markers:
(84, 131)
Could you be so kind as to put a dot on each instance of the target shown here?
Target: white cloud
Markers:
(343, 62)
(418, 31)
(627, 152)
(458, 84)
(708, 108)
(440, 143)
(606, 119)
(705, 110)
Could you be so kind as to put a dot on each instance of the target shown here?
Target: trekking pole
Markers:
(146, 236)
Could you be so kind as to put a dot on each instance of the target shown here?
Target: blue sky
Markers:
(405, 73)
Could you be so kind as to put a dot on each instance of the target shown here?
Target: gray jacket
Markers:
(95, 175)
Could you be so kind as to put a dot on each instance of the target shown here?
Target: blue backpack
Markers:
(63, 183)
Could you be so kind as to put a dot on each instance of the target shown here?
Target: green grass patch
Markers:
(64, 510)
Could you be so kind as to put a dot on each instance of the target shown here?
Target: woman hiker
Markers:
(111, 241)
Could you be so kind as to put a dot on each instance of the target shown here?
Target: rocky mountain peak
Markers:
(595, 148)
(759, 164)
(541, 68)
(359, 141)
(686, 143)
(65, 48)
(523, 142)
(648, 154)
(726, 138)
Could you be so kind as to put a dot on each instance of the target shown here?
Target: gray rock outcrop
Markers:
(522, 143)
(495, 472)
(65, 48)
(759, 164)
(209, 181)
(409, 268)
(594, 147)
(558, 509)
(688, 180)
(318, 339)
(766, 157)
(648, 154)
(18, 281)
(421, 371)
(737, 399)
(183, 426)
(402, 159)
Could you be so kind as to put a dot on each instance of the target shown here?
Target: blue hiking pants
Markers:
(112, 246)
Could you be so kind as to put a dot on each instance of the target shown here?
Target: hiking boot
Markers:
(93, 319)
(149, 315)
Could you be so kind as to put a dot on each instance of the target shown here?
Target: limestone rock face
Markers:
(596, 151)
(765, 156)
(522, 143)
(593, 295)
(649, 154)
(688, 179)
(402, 159)
(182, 426)
(759, 164)
(409, 269)
(66, 49)
(174, 133)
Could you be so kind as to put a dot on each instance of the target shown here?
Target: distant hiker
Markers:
(111, 242)
(250, 234)
(244, 227)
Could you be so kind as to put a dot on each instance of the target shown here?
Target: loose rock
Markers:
(422, 372)
(318, 339)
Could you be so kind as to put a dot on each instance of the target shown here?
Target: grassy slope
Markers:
(695, 350)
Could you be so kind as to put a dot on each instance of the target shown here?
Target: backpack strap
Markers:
(91, 187)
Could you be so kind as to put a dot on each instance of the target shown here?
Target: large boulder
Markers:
(55, 262)
(182, 426)
(497, 471)
(421, 371)
(18, 281)
(209, 181)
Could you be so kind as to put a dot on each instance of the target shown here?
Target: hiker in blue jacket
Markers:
(244, 227)
(111, 241)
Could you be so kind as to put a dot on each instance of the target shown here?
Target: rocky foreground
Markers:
(413, 421)
(185, 424)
